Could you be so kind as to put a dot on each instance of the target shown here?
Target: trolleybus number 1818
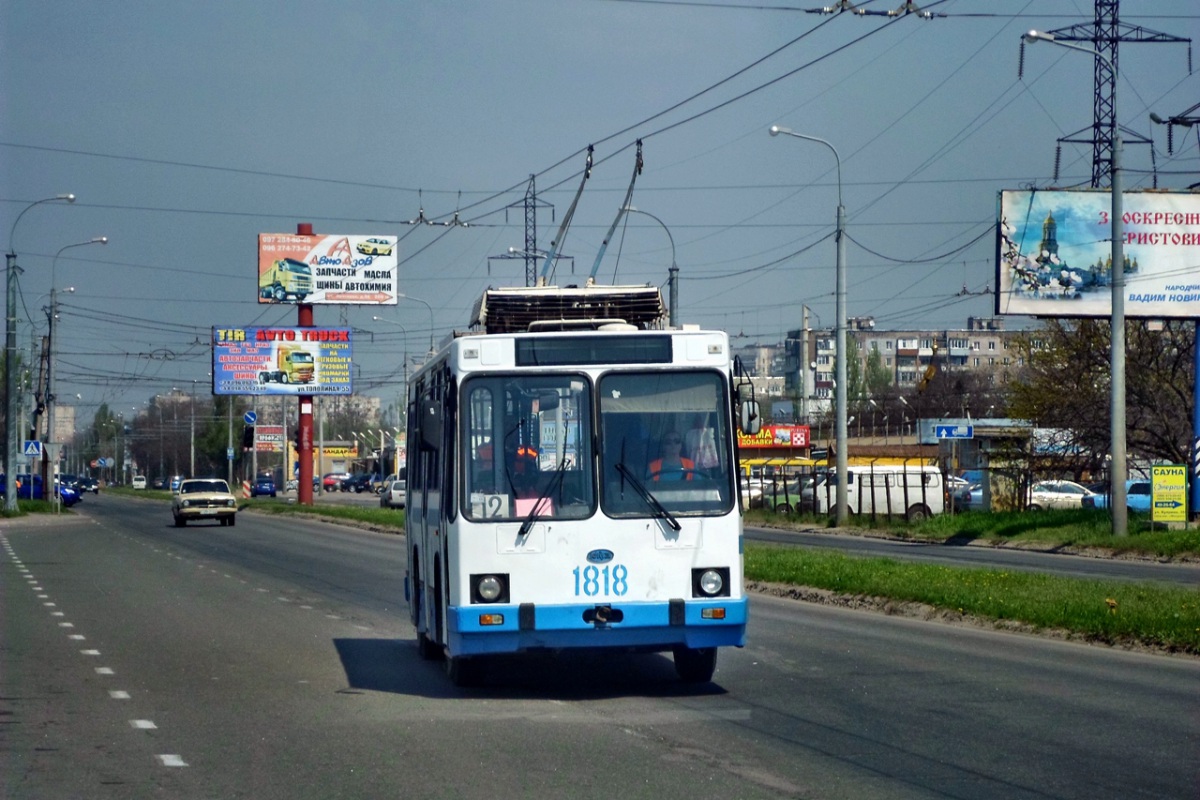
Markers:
(610, 579)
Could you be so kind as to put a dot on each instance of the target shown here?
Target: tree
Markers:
(1066, 382)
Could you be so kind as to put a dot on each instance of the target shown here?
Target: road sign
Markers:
(954, 431)
(250, 418)
(32, 448)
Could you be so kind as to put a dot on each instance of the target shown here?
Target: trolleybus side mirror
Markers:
(750, 422)
(431, 425)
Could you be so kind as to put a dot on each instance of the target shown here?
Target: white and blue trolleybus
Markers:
(572, 483)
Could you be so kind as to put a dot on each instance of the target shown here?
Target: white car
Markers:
(204, 498)
(1060, 494)
(392, 495)
(139, 482)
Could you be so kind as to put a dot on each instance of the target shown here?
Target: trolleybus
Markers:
(541, 515)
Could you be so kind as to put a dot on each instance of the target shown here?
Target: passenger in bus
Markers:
(670, 465)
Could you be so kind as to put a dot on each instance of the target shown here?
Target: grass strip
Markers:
(374, 516)
(1116, 613)
(1078, 528)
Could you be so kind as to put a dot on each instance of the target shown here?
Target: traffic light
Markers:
(248, 437)
(296, 438)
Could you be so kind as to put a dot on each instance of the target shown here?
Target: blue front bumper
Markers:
(649, 626)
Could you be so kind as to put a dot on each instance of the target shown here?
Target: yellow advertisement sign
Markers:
(1168, 493)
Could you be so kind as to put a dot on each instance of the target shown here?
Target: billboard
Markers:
(1054, 253)
(281, 361)
(777, 436)
(318, 269)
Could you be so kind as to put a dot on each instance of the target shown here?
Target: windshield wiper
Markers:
(540, 503)
(652, 501)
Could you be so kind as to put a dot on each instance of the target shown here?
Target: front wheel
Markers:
(465, 671)
(695, 664)
(180, 522)
(280, 294)
(783, 508)
(1034, 507)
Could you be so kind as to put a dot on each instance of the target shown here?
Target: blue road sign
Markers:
(33, 447)
(954, 431)
(250, 418)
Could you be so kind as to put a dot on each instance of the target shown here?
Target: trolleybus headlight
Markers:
(489, 588)
(710, 582)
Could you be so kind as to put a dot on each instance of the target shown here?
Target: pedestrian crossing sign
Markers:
(33, 447)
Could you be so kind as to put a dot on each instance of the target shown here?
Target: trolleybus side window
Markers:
(648, 419)
(527, 447)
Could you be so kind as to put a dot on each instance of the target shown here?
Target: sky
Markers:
(187, 129)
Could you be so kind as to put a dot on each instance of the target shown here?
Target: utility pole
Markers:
(1104, 34)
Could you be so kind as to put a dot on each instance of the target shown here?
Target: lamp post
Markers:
(51, 445)
(672, 274)
(10, 356)
(1119, 469)
(419, 300)
(404, 364)
(840, 433)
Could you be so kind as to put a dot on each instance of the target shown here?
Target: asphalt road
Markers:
(274, 660)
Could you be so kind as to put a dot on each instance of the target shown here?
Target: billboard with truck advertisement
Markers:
(281, 361)
(317, 269)
(777, 436)
(1054, 253)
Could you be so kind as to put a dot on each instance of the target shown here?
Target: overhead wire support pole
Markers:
(1117, 451)
(637, 170)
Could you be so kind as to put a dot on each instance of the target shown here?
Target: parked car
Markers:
(333, 481)
(358, 483)
(393, 495)
(203, 498)
(30, 488)
(1060, 494)
(1137, 496)
(965, 496)
(264, 485)
(175, 481)
(139, 482)
(87, 484)
(785, 496)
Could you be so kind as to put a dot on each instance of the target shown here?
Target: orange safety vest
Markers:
(686, 465)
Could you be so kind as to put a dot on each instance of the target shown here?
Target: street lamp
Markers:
(840, 434)
(1119, 469)
(673, 273)
(51, 445)
(10, 360)
(419, 300)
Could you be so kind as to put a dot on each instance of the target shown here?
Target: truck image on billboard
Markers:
(281, 361)
(295, 268)
(1054, 253)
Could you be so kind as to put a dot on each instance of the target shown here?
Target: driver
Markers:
(671, 466)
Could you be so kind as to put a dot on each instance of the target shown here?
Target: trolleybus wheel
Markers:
(695, 664)
(464, 671)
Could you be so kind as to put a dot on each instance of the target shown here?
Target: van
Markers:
(139, 481)
(911, 491)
